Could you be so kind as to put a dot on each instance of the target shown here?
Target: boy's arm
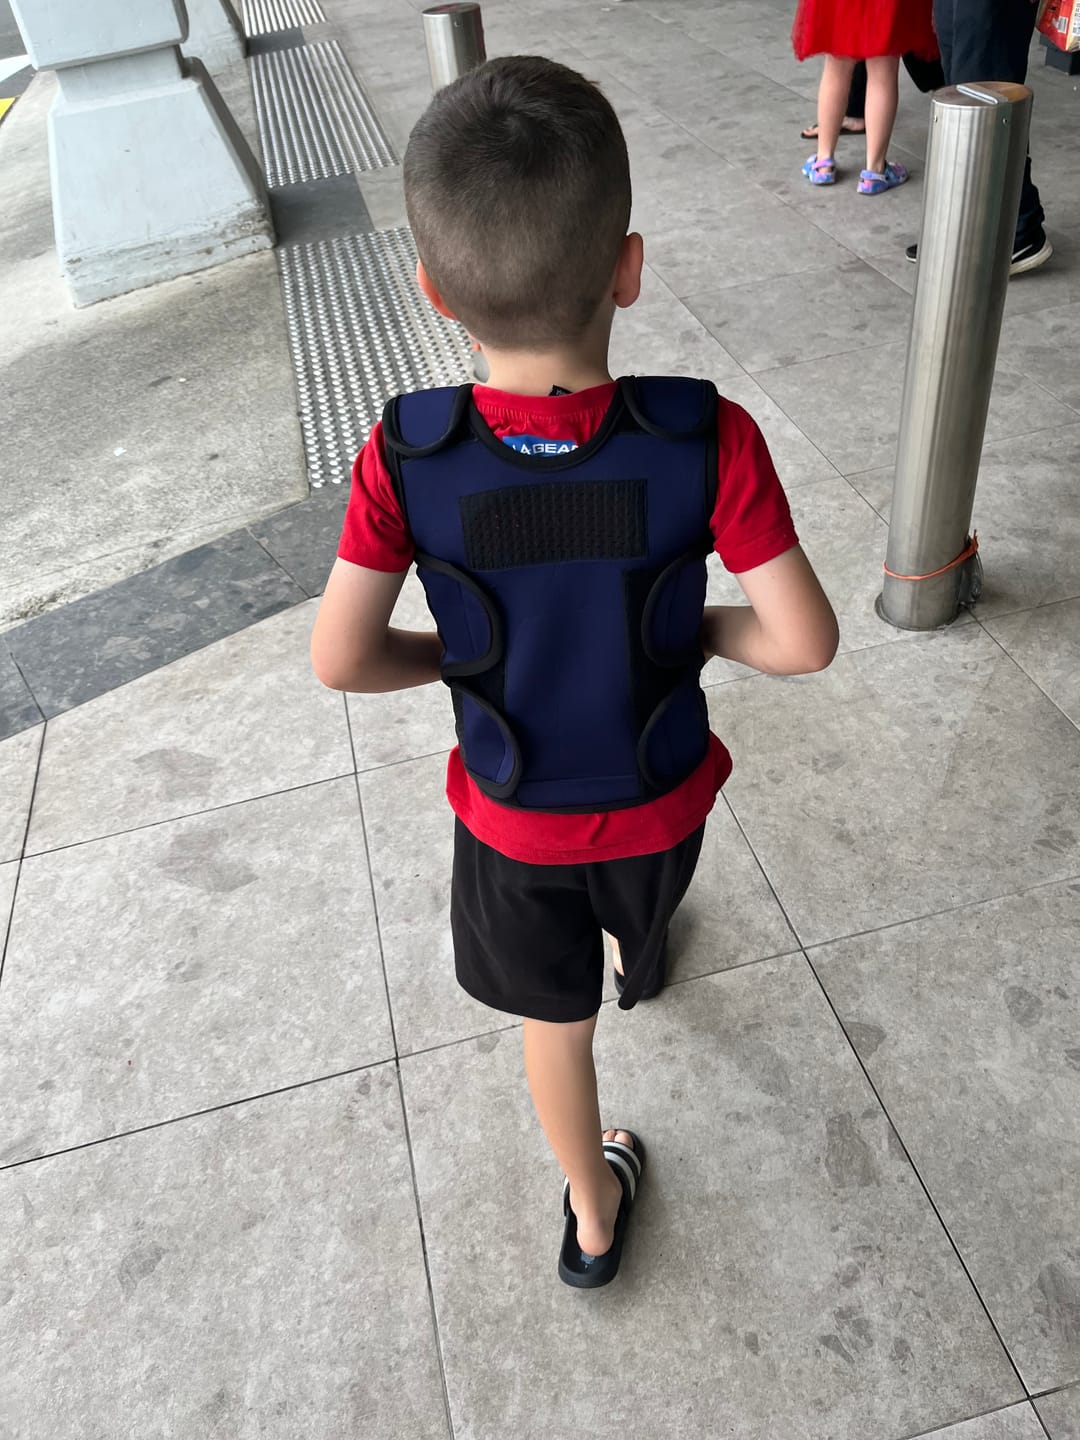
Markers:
(353, 646)
(787, 629)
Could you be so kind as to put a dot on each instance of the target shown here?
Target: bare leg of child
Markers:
(832, 102)
(562, 1080)
(882, 97)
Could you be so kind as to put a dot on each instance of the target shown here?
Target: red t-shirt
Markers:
(751, 524)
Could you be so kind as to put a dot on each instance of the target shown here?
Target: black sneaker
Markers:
(1025, 257)
(1030, 256)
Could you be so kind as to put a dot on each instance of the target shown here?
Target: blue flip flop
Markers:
(589, 1272)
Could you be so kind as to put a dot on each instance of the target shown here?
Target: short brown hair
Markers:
(517, 185)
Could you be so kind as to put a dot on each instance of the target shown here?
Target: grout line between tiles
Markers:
(885, 1111)
(152, 1125)
(19, 859)
(922, 1183)
(436, 1333)
(188, 815)
(1045, 693)
(283, 568)
(967, 1419)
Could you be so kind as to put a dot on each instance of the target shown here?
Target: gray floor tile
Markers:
(18, 766)
(757, 240)
(1027, 512)
(845, 540)
(304, 538)
(797, 461)
(1019, 1422)
(186, 965)
(1060, 1414)
(1045, 345)
(906, 779)
(18, 708)
(729, 917)
(968, 1024)
(244, 717)
(850, 409)
(1045, 643)
(804, 317)
(93, 645)
(256, 1273)
(404, 725)
(659, 336)
(410, 830)
(784, 1274)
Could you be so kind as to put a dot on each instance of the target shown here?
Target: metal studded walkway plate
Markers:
(314, 120)
(360, 332)
(264, 17)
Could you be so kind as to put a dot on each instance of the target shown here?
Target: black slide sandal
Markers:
(590, 1272)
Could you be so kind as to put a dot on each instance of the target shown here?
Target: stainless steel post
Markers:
(454, 35)
(974, 167)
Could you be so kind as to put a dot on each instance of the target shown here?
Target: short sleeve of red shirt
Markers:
(374, 534)
(751, 523)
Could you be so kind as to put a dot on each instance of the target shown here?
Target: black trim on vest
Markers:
(544, 464)
(670, 662)
(487, 603)
(396, 440)
(631, 394)
(498, 791)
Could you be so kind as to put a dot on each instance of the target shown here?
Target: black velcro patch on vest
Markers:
(554, 522)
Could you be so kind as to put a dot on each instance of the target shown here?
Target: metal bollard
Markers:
(975, 164)
(454, 35)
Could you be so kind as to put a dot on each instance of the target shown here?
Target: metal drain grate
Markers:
(314, 120)
(263, 17)
(360, 331)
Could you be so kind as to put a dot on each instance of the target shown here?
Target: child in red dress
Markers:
(845, 31)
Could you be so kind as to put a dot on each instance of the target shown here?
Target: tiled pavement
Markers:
(270, 1173)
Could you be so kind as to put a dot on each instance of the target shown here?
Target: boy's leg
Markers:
(526, 941)
(562, 1081)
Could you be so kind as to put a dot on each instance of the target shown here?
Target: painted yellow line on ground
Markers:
(5, 106)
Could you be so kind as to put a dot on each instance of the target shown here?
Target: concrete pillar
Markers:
(151, 177)
(214, 34)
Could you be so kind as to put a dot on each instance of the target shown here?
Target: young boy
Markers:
(560, 523)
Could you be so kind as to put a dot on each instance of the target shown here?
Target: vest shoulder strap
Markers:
(427, 420)
(670, 407)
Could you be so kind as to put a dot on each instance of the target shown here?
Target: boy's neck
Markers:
(537, 373)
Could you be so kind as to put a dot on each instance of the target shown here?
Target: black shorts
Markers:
(528, 938)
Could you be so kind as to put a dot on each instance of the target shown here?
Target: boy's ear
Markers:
(423, 279)
(628, 271)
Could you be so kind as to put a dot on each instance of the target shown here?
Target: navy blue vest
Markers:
(567, 590)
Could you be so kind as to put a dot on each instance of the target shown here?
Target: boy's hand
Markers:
(353, 646)
(787, 629)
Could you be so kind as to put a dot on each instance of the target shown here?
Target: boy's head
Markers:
(517, 185)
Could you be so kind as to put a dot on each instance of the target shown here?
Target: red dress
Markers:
(863, 29)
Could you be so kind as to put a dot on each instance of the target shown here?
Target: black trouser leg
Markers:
(856, 105)
(990, 40)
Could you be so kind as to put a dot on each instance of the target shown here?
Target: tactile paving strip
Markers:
(314, 120)
(263, 17)
(360, 331)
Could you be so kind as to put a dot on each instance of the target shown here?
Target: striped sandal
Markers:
(589, 1272)
(820, 172)
(873, 182)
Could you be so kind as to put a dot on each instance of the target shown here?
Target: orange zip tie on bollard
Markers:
(970, 549)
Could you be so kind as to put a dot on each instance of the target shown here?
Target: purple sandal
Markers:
(873, 182)
(820, 172)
